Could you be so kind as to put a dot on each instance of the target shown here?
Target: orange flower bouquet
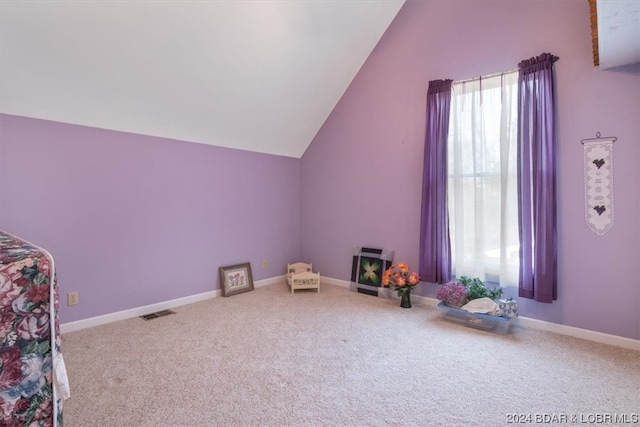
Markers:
(402, 280)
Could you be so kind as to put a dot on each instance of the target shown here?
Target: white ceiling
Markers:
(618, 32)
(257, 75)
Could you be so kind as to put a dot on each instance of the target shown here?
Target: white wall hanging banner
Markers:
(598, 183)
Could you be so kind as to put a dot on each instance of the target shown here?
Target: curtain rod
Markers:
(485, 77)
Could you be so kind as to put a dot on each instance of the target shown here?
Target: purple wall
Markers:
(361, 176)
(133, 220)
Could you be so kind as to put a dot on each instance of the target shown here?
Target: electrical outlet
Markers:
(72, 298)
(264, 263)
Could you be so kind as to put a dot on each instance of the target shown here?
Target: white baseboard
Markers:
(572, 331)
(165, 305)
(524, 322)
(527, 322)
(336, 282)
(269, 281)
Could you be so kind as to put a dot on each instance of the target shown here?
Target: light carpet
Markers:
(337, 358)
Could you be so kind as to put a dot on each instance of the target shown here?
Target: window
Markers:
(489, 176)
(482, 179)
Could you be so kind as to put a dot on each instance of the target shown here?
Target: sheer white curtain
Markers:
(482, 180)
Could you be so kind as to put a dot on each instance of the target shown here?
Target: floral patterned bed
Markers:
(27, 394)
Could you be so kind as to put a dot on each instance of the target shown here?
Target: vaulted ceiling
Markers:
(258, 75)
(253, 75)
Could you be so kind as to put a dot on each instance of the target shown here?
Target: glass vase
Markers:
(405, 298)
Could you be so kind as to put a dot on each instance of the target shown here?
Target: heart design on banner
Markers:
(598, 184)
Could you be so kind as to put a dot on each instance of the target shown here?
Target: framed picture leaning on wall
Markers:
(235, 279)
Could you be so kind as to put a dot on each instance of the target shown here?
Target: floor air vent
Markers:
(157, 314)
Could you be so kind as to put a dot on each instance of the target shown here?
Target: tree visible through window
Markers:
(482, 179)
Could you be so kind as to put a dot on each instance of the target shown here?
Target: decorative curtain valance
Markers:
(439, 86)
(542, 62)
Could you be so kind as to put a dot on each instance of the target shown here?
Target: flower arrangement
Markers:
(453, 294)
(402, 280)
(458, 293)
(399, 276)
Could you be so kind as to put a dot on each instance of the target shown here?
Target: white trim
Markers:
(585, 334)
(556, 328)
(420, 300)
(139, 311)
(336, 282)
(270, 281)
(135, 312)
(524, 322)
